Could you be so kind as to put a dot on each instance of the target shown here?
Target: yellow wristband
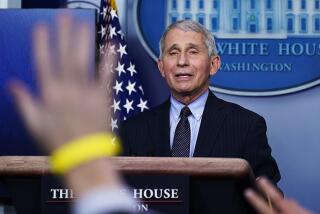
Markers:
(82, 150)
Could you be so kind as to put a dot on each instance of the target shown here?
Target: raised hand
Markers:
(71, 102)
(280, 204)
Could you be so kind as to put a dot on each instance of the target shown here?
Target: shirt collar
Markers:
(196, 107)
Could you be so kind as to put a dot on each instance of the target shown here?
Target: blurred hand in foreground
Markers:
(71, 102)
(279, 204)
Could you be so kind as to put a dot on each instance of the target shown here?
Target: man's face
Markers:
(185, 63)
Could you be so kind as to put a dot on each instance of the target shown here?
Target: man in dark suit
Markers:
(193, 122)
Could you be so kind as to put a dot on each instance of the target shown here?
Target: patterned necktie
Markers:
(182, 135)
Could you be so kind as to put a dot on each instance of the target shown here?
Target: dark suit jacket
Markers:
(226, 130)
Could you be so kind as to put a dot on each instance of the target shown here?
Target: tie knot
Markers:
(185, 112)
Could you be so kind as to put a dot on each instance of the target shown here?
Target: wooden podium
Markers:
(215, 185)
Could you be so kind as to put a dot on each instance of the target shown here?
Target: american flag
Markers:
(128, 94)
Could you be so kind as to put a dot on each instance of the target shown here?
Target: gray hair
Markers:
(189, 25)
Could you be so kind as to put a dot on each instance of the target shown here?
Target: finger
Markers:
(302, 210)
(291, 206)
(27, 106)
(106, 74)
(106, 79)
(265, 195)
(65, 54)
(257, 202)
(82, 54)
(43, 58)
(271, 191)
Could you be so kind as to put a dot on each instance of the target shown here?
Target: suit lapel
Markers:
(212, 119)
(161, 131)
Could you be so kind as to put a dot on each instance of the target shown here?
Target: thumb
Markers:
(27, 106)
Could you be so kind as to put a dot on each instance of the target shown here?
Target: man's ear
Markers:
(160, 67)
(215, 63)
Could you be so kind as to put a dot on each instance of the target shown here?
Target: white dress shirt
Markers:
(196, 108)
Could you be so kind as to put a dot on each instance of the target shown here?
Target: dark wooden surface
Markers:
(216, 167)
